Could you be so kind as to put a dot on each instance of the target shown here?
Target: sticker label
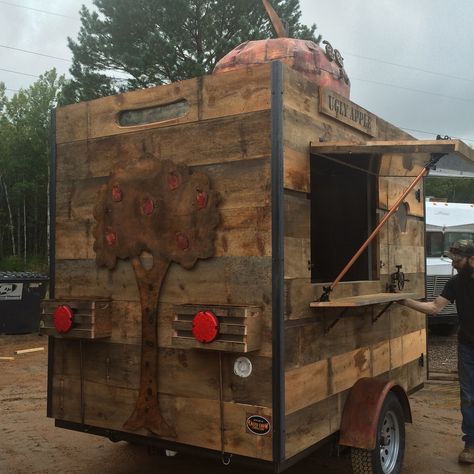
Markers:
(258, 425)
(11, 291)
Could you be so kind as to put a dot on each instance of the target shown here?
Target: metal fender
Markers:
(362, 410)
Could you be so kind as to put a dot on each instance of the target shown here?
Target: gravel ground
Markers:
(442, 354)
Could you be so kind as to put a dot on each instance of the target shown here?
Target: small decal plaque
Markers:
(258, 425)
(11, 291)
(347, 112)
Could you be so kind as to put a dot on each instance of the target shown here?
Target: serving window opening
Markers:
(344, 191)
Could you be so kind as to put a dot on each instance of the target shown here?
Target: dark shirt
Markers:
(461, 291)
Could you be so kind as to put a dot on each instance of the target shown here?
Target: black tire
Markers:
(387, 457)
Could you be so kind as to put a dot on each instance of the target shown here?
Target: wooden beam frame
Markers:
(394, 147)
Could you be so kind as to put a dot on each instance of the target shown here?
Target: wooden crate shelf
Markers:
(92, 318)
(239, 328)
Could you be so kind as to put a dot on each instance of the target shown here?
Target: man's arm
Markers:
(430, 307)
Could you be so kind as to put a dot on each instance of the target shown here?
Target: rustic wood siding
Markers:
(226, 133)
(322, 366)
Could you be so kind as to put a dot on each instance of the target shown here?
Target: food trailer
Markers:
(198, 226)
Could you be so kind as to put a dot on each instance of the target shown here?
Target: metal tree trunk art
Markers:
(166, 210)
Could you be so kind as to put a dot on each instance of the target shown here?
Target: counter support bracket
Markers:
(374, 319)
(336, 320)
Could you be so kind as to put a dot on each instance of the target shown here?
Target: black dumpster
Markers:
(20, 297)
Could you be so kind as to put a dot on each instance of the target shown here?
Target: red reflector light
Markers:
(63, 317)
(205, 326)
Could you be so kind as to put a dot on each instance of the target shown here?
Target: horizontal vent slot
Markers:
(156, 114)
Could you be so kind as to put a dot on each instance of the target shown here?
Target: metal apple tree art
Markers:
(154, 206)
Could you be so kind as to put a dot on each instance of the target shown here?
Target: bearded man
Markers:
(460, 289)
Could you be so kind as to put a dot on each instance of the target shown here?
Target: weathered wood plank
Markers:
(72, 123)
(362, 300)
(181, 373)
(396, 352)
(311, 424)
(238, 92)
(387, 146)
(216, 345)
(315, 422)
(404, 320)
(380, 357)
(392, 232)
(241, 232)
(316, 381)
(413, 345)
(348, 368)
(66, 399)
(398, 165)
(243, 91)
(306, 385)
(300, 129)
(234, 280)
(299, 293)
(109, 407)
(308, 342)
(254, 390)
(240, 441)
(397, 186)
(66, 360)
(244, 137)
(296, 170)
(383, 194)
(410, 257)
(232, 329)
(297, 253)
(297, 215)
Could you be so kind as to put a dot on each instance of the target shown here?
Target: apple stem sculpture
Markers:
(171, 213)
(278, 26)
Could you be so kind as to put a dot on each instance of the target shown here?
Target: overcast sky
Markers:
(428, 87)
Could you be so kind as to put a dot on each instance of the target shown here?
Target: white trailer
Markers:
(446, 222)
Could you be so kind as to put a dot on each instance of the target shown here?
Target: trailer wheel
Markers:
(387, 457)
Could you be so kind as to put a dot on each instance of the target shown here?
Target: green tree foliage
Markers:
(451, 189)
(151, 42)
(25, 132)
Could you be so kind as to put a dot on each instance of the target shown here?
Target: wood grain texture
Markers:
(362, 300)
(183, 373)
(389, 147)
(104, 405)
(315, 422)
(242, 137)
(241, 232)
(243, 91)
(233, 281)
(397, 186)
(297, 253)
(307, 384)
(311, 424)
